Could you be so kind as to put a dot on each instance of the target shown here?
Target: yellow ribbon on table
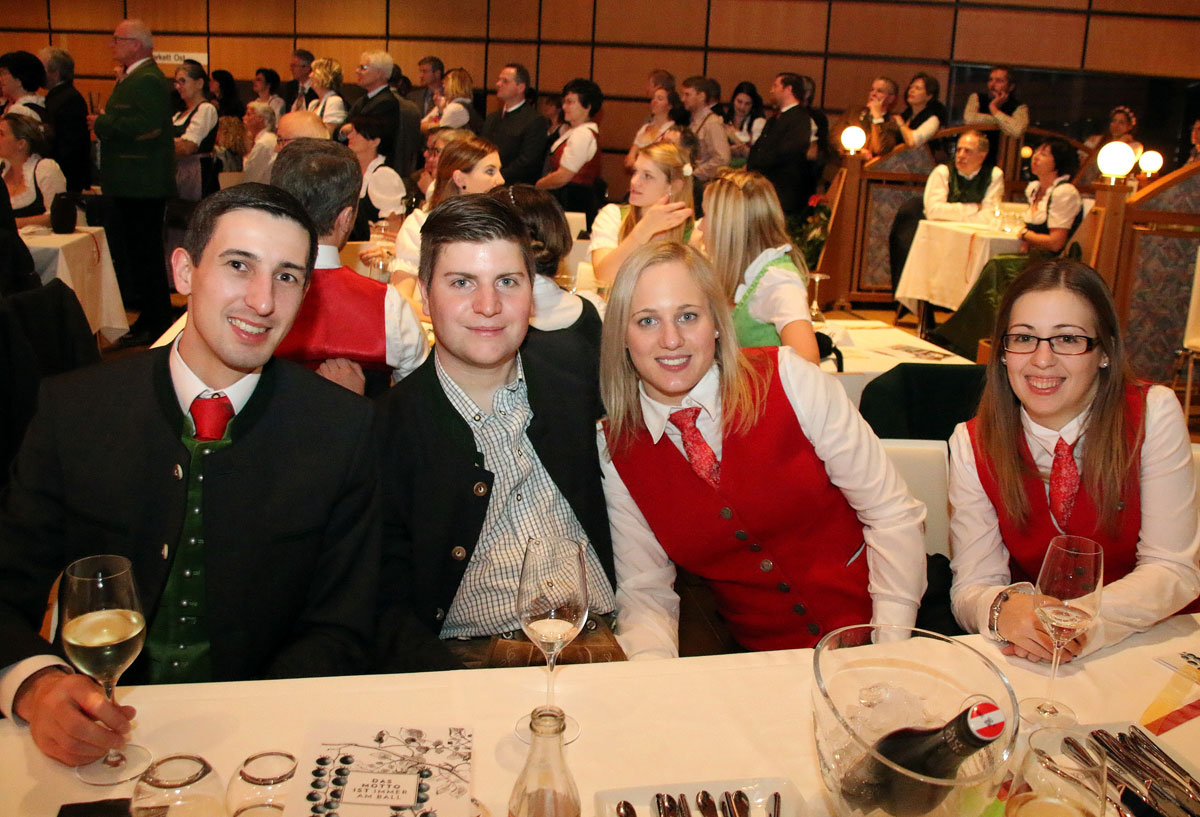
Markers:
(1168, 709)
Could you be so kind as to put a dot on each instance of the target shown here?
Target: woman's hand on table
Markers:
(1019, 625)
(70, 719)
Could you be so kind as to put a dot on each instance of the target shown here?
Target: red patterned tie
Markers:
(1064, 482)
(699, 452)
(211, 415)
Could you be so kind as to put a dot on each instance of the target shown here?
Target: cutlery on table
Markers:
(1163, 795)
(706, 804)
(1047, 763)
(741, 804)
(1153, 752)
(684, 809)
(774, 804)
(625, 809)
(662, 806)
(1176, 788)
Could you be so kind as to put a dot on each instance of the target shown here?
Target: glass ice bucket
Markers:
(870, 680)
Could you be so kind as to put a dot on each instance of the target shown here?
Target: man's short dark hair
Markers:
(249, 196)
(323, 175)
(434, 64)
(587, 92)
(26, 69)
(304, 55)
(793, 82)
(705, 85)
(662, 78)
(475, 218)
(1008, 74)
(521, 74)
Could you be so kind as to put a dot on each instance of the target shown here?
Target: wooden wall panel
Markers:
(560, 64)
(621, 122)
(439, 18)
(189, 17)
(669, 22)
(32, 41)
(1043, 4)
(91, 52)
(731, 68)
(514, 20)
(25, 15)
(622, 71)
(95, 15)
(1175, 44)
(798, 25)
(567, 20)
(848, 81)
(1020, 38)
(613, 171)
(1150, 6)
(913, 31)
(242, 56)
(259, 17)
(407, 53)
(321, 17)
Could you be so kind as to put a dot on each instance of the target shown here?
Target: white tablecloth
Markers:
(644, 723)
(81, 260)
(946, 258)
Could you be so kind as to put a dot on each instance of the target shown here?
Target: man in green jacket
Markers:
(137, 170)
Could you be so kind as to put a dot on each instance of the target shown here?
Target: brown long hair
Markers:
(461, 154)
(743, 388)
(1107, 447)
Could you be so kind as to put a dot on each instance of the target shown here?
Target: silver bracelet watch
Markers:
(1021, 588)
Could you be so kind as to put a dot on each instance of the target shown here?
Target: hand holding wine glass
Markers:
(1067, 600)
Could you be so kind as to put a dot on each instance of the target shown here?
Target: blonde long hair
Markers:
(742, 218)
(743, 388)
(671, 161)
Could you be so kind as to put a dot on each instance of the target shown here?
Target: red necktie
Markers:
(211, 415)
(699, 453)
(1064, 482)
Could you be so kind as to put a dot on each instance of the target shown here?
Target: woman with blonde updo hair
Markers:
(660, 209)
(455, 108)
(326, 81)
(705, 440)
(760, 271)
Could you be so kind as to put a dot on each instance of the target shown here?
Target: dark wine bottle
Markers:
(936, 752)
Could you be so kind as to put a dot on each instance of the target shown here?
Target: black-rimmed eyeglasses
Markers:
(1022, 344)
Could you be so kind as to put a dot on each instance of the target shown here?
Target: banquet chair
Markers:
(925, 467)
(921, 401)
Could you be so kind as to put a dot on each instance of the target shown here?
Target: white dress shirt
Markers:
(1166, 576)
(39, 174)
(555, 308)
(781, 296)
(408, 242)
(257, 165)
(384, 187)
(937, 194)
(331, 108)
(647, 606)
(582, 144)
(1057, 208)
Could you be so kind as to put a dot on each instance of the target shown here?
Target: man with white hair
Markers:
(373, 71)
(67, 112)
(259, 120)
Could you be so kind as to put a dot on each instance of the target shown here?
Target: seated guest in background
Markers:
(1067, 441)
(699, 94)
(660, 208)
(749, 440)
(382, 194)
(348, 322)
(744, 119)
(517, 130)
(66, 113)
(232, 145)
(484, 447)
(32, 181)
(818, 149)
(1121, 124)
(21, 74)
(266, 89)
(275, 573)
(195, 134)
(550, 106)
(299, 125)
(260, 131)
(373, 71)
(224, 91)
(659, 78)
(762, 275)
(1194, 154)
(883, 134)
(1055, 208)
(1003, 108)
(663, 107)
(430, 71)
(925, 115)
(455, 108)
(326, 81)
(435, 143)
(297, 92)
(781, 152)
(575, 159)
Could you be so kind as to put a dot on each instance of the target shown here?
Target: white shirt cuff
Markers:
(12, 676)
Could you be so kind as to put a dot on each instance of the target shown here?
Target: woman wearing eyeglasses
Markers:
(1067, 441)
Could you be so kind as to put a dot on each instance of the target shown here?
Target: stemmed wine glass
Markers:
(552, 606)
(103, 631)
(1067, 600)
(1062, 774)
(814, 308)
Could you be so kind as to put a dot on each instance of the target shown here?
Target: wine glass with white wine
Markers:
(1061, 775)
(552, 606)
(103, 631)
(1067, 600)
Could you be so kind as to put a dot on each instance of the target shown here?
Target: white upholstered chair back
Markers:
(925, 467)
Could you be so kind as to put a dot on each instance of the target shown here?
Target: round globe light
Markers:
(1116, 160)
(1151, 162)
(853, 138)
(1026, 152)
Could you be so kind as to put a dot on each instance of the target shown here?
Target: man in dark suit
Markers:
(483, 448)
(67, 112)
(781, 151)
(410, 142)
(517, 130)
(373, 71)
(137, 171)
(241, 488)
(300, 85)
(430, 71)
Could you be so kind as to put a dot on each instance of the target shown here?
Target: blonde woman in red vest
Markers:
(1066, 441)
(749, 468)
(575, 159)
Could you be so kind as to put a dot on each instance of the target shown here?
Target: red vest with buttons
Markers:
(591, 168)
(342, 315)
(777, 542)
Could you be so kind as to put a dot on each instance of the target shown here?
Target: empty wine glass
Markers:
(178, 785)
(1062, 775)
(103, 631)
(552, 606)
(259, 787)
(814, 307)
(1067, 600)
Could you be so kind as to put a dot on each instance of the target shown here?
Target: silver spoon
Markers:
(706, 804)
(741, 803)
(625, 809)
